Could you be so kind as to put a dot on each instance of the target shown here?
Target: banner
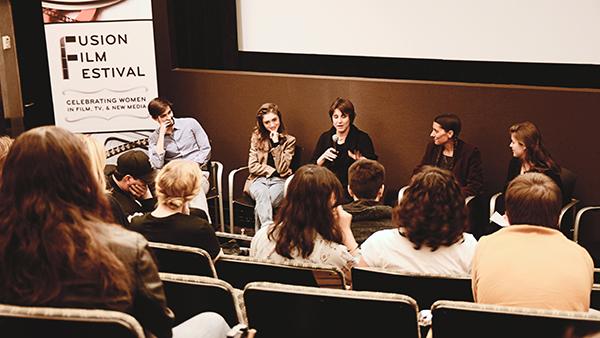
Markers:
(102, 63)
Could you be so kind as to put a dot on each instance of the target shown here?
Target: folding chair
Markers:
(182, 259)
(34, 322)
(587, 231)
(463, 319)
(424, 288)
(190, 295)
(215, 192)
(239, 271)
(279, 310)
(245, 202)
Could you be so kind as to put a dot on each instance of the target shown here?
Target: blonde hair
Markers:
(5, 143)
(97, 154)
(178, 183)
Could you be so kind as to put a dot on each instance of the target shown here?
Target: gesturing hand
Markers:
(329, 155)
(355, 155)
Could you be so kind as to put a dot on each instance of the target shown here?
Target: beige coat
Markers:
(259, 152)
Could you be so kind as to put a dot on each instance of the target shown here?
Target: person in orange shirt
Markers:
(531, 263)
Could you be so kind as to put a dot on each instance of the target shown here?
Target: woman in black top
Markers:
(177, 184)
(344, 143)
(530, 155)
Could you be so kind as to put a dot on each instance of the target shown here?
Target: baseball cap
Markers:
(137, 164)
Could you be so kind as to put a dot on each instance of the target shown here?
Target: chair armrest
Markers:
(469, 199)
(230, 181)
(493, 200)
(578, 219)
(401, 192)
(565, 209)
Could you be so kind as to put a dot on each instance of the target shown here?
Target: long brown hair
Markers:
(52, 233)
(265, 109)
(536, 154)
(306, 211)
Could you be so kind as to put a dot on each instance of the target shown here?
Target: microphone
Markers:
(335, 139)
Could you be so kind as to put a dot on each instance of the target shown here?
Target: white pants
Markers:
(204, 325)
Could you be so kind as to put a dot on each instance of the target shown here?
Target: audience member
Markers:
(177, 183)
(309, 227)
(130, 183)
(447, 151)
(531, 263)
(179, 138)
(343, 143)
(97, 154)
(530, 155)
(430, 238)
(365, 186)
(269, 160)
(56, 250)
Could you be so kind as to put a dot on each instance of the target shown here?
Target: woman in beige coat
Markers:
(269, 160)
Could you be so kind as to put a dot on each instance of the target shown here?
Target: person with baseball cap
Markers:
(130, 182)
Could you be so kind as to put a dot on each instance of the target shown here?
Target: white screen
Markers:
(541, 31)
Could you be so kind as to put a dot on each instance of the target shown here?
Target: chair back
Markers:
(35, 322)
(239, 271)
(463, 319)
(278, 310)
(424, 288)
(190, 295)
(587, 231)
(568, 180)
(182, 259)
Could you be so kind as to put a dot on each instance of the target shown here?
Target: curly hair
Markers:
(432, 211)
(306, 211)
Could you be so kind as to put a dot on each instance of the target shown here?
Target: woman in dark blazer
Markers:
(448, 152)
(343, 143)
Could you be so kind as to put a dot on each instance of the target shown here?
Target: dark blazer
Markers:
(356, 140)
(467, 165)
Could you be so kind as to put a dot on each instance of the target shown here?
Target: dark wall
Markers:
(396, 113)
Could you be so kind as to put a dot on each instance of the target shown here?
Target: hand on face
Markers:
(165, 120)
(274, 136)
(139, 191)
(342, 218)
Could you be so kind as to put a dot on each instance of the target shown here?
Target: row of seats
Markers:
(239, 271)
(280, 310)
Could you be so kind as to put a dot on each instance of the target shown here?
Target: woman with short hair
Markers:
(343, 143)
(447, 151)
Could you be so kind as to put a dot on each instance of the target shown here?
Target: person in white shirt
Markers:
(430, 237)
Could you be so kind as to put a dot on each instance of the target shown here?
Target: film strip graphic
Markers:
(64, 57)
